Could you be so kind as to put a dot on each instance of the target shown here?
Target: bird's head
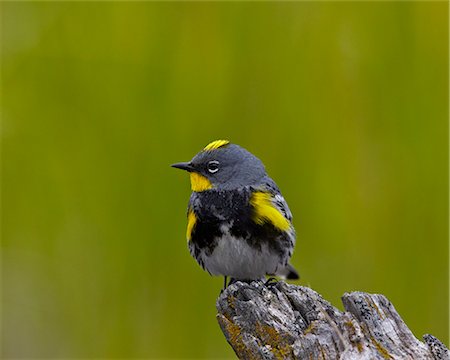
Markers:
(222, 165)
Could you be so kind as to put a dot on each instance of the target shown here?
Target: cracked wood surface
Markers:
(284, 321)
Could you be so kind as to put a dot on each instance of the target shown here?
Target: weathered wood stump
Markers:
(284, 321)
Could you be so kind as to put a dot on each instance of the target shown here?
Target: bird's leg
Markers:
(224, 283)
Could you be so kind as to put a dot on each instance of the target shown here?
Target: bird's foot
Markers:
(271, 282)
(225, 285)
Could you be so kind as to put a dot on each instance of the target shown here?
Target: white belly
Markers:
(235, 258)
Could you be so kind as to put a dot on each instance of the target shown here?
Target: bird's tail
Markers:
(288, 272)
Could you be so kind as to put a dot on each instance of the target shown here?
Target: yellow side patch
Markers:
(192, 220)
(216, 144)
(199, 182)
(265, 211)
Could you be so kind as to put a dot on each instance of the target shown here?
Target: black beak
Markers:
(183, 166)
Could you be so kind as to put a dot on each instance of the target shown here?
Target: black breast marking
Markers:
(215, 209)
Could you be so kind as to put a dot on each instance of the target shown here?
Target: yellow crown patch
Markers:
(216, 144)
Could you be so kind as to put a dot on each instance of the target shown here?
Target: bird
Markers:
(238, 223)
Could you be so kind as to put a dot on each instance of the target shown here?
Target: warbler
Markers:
(239, 224)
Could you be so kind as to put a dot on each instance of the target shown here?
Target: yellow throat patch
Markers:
(215, 145)
(199, 183)
(192, 220)
(266, 212)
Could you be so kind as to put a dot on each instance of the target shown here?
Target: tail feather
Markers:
(288, 272)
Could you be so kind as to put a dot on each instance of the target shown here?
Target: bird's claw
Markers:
(271, 282)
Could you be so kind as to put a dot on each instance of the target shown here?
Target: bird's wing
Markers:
(282, 205)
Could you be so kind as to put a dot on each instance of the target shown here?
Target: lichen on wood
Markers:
(283, 321)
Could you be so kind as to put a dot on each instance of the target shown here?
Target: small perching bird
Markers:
(239, 224)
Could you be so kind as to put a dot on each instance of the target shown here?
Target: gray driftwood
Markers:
(285, 321)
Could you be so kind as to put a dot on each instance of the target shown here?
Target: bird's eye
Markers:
(213, 166)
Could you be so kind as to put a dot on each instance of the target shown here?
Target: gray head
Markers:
(223, 165)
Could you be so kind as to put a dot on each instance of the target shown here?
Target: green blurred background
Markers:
(346, 103)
